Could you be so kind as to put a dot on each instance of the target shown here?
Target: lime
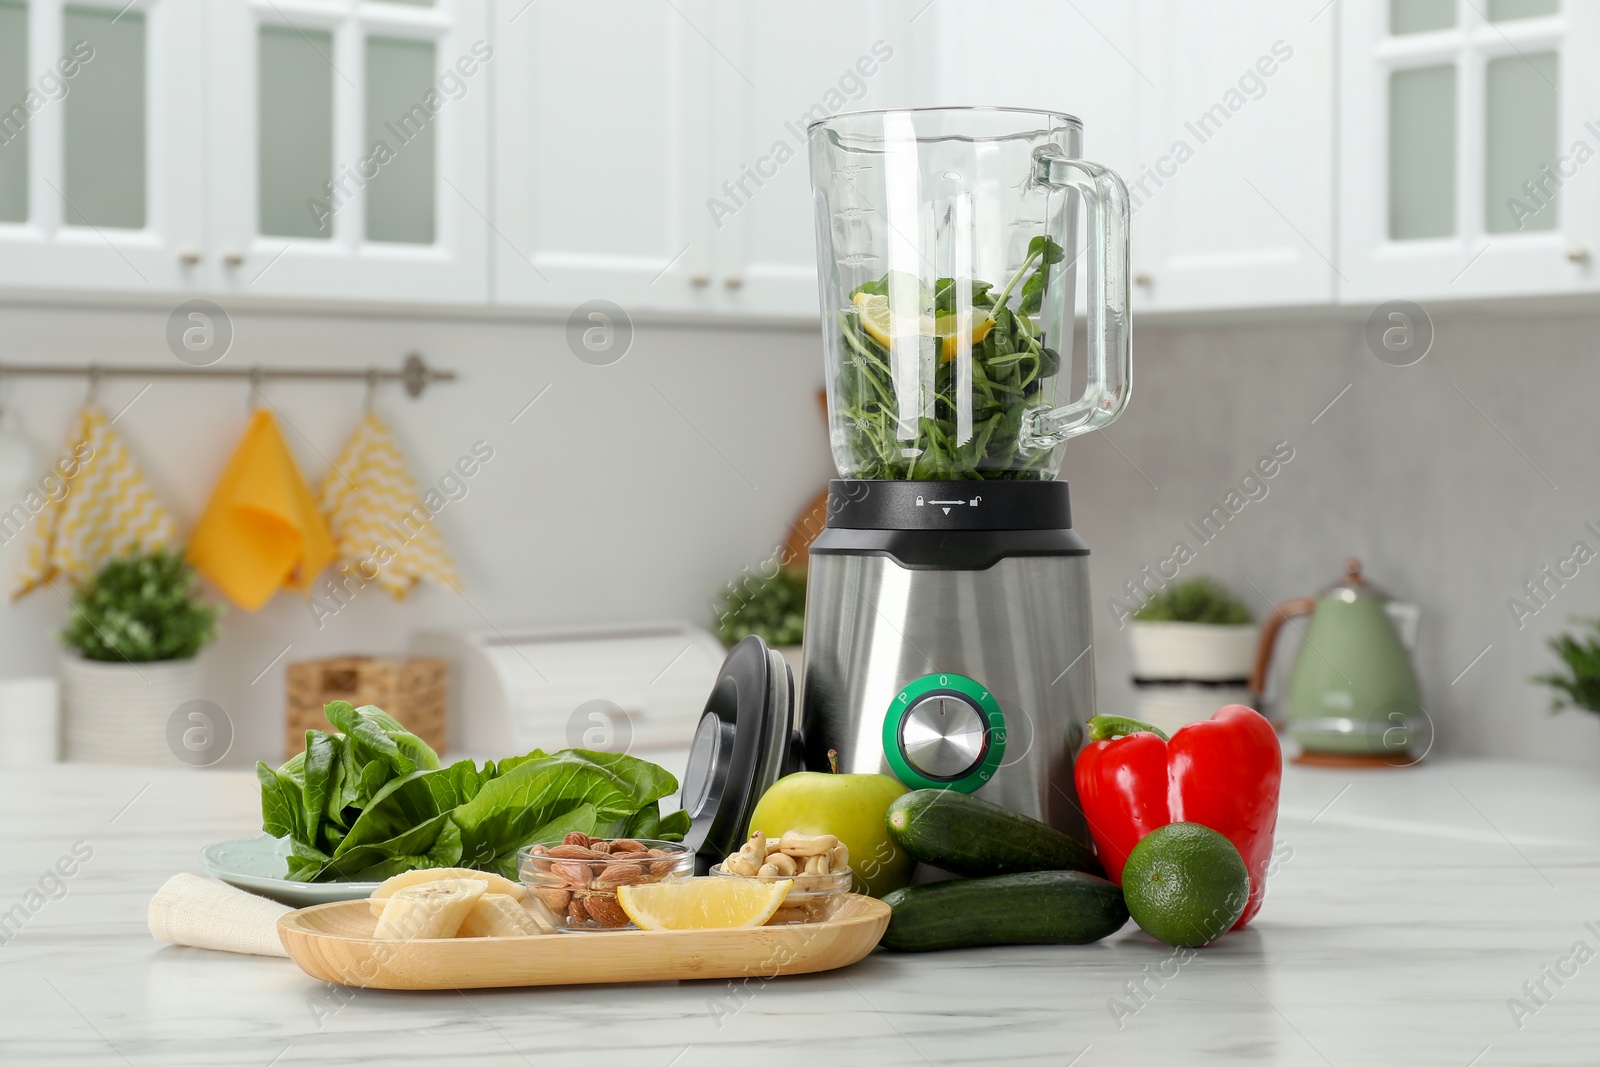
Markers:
(1185, 884)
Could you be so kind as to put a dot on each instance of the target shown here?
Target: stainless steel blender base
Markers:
(1020, 628)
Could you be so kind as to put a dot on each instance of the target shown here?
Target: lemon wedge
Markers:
(881, 325)
(703, 903)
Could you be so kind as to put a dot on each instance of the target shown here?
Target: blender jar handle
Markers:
(1110, 371)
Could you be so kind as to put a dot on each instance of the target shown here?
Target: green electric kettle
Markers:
(1352, 694)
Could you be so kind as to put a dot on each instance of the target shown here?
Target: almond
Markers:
(576, 852)
(641, 854)
(576, 838)
(606, 911)
(572, 872)
(555, 897)
(577, 912)
(617, 874)
(625, 844)
(603, 847)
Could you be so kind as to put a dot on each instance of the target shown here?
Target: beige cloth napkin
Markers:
(190, 910)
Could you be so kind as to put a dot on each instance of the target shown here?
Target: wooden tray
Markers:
(334, 943)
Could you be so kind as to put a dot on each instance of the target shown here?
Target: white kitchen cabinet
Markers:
(1080, 60)
(349, 154)
(603, 112)
(100, 154)
(666, 171)
(1232, 191)
(784, 70)
(1468, 131)
(652, 153)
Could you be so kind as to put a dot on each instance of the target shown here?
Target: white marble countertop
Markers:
(1407, 909)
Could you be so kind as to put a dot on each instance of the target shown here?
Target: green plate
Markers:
(260, 865)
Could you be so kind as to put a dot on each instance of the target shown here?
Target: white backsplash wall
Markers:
(626, 493)
(1454, 481)
(629, 492)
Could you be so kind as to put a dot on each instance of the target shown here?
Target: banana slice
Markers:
(433, 909)
(497, 915)
(493, 884)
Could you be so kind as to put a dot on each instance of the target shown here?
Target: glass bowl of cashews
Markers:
(817, 864)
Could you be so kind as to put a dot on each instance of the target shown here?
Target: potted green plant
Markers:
(1193, 646)
(772, 608)
(137, 625)
(1578, 685)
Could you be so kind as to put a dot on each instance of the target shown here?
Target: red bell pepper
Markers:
(1223, 773)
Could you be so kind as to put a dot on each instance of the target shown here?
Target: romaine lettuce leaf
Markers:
(372, 800)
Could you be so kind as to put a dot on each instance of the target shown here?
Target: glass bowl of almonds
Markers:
(818, 865)
(574, 882)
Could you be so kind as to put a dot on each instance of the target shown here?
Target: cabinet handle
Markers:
(233, 258)
(699, 281)
(188, 256)
(1144, 279)
(734, 282)
(1577, 254)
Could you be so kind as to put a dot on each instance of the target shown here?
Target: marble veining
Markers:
(1408, 913)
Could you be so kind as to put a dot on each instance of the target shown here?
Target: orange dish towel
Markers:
(261, 529)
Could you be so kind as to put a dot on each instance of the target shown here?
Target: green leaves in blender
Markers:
(1011, 362)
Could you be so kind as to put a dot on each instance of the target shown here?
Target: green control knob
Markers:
(944, 731)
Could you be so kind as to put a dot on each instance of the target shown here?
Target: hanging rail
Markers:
(414, 374)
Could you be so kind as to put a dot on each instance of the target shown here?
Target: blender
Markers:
(947, 631)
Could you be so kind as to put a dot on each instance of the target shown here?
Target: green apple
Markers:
(853, 808)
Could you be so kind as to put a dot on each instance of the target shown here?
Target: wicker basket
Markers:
(412, 690)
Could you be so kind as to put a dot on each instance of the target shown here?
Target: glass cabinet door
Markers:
(351, 155)
(1464, 147)
(100, 107)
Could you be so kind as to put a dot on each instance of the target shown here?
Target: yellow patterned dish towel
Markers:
(261, 529)
(105, 509)
(382, 529)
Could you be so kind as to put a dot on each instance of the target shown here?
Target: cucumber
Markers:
(1036, 908)
(965, 835)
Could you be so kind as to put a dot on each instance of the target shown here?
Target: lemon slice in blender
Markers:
(703, 903)
(882, 325)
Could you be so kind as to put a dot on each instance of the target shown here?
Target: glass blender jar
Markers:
(947, 630)
(947, 260)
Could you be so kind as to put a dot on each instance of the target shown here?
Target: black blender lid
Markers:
(741, 746)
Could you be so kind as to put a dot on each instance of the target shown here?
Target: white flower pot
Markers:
(1193, 651)
(1181, 670)
(118, 712)
(1170, 707)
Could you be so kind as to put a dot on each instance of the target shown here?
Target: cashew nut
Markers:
(742, 865)
(774, 845)
(781, 864)
(838, 858)
(798, 844)
(817, 864)
(767, 870)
